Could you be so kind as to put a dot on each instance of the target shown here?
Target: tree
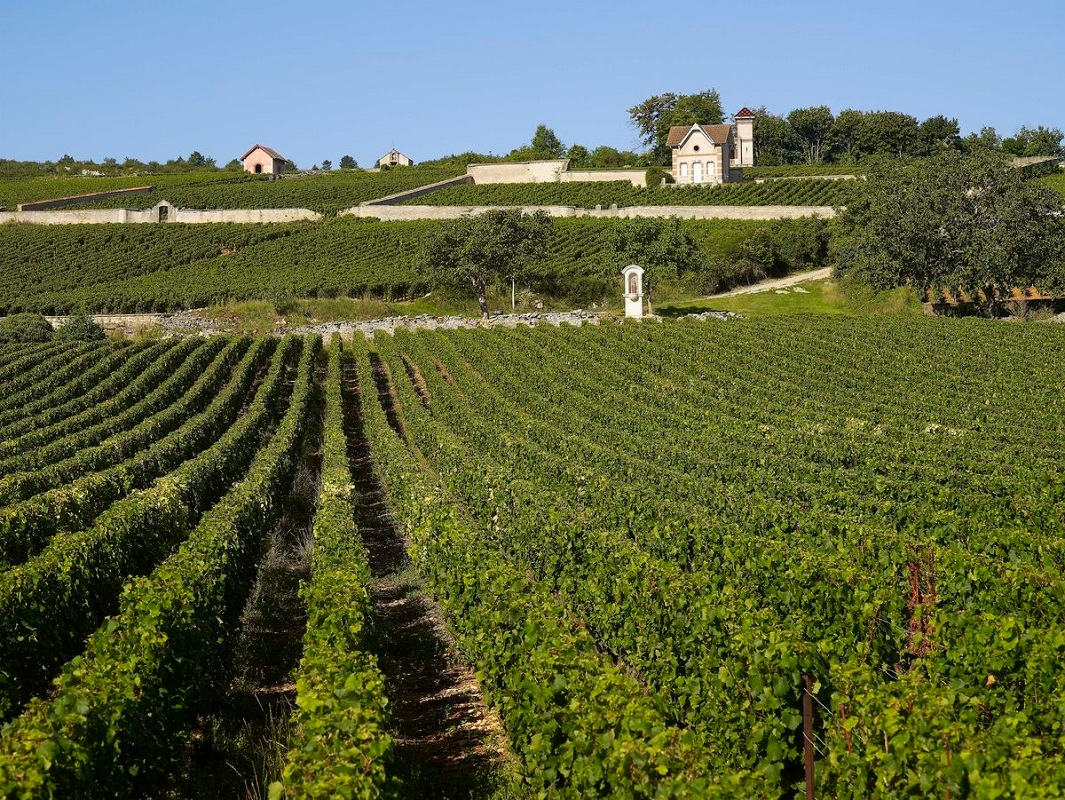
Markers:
(485, 250)
(812, 126)
(843, 139)
(937, 134)
(662, 247)
(545, 144)
(578, 156)
(987, 139)
(81, 328)
(888, 132)
(1034, 142)
(775, 141)
(953, 221)
(327, 165)
(656, 115)
(347, 162)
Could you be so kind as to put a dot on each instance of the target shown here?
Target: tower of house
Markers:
(744, 137)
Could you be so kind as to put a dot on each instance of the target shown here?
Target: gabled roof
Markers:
(393, 151)
(744, 113)
(718, 134)
(272, 153)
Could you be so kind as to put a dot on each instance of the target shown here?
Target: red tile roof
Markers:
(745, 113)
(272, 153)
(718, 134)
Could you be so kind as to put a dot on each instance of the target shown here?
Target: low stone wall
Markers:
(103, 216)
(409, 213)
(127, 323)
(637, 177)
(60, 202)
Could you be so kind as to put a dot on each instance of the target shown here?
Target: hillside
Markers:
(326, 193)
(131, 268)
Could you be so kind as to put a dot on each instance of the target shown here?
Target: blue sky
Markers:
(96, 78)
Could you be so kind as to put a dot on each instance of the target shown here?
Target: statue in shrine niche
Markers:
(634, 291)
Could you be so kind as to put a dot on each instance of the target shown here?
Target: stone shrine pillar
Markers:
(633, 291)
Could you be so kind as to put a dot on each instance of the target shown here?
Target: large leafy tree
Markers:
(937, 134)
(953, 221)
(889, 132)
(812, 126)
(485, 250)
(662, 247)
(656, 115)
(1037, 141)
(545, 144)
(775, 141)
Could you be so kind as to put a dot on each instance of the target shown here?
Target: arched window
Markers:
(633, 284)
(258, 169)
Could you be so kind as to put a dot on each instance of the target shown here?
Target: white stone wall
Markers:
(103, 216)
(520, 172)
(408, 213)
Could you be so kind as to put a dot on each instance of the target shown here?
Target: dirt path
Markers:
(777, 283)
(448, 743)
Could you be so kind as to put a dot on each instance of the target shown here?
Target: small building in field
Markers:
(394, 158)
(261, 160)
(707, 153)
(701, 153)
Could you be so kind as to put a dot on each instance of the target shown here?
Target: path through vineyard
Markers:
(448, 743)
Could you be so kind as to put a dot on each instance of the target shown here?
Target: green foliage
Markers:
(657, 114)
(81, 327)
(121, 710)
(1039, 141)
(476, 252)
(589, 194)
(656, 177)
(545, 144)
(663, 248)
(25, 328)
(859, 525)
(341, 746)
(958, 222)
(348, 162)
(813, 126)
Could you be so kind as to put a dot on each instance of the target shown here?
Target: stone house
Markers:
(261, 160)
(394, 158)
(707, 153)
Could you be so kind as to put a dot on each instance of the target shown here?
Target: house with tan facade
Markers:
(261, 160)
(708, 153)
(394, 158)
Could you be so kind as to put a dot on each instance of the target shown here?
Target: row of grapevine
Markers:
(580, 725)
(797, 192)
(63, 269)
(25, 190)
(340, 744)
(53, 599)
(118, 710)
(870, 503)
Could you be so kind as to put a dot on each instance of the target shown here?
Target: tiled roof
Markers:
(744, 113)
(272, 153)
(718, 134)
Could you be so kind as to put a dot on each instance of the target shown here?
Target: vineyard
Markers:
(140, 268)
(647, 540)
(326, 193)
(797, 192)
(1056, 182)
(800, 171)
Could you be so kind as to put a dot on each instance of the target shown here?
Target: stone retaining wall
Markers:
(408, 213)
(59, 202)
(102, 216)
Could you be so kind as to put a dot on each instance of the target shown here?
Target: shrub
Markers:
(656, 176)
(81, 328)
(25, 328)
